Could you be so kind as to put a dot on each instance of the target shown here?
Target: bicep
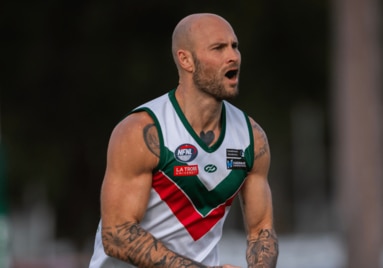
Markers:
(256, 199)
(256, 204)
(124, 199)
(126, 187)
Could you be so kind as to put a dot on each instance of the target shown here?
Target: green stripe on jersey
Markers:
(203, 199)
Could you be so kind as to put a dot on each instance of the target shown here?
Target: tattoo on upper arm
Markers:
(263, 251)
(264, 148)
(131, 243)
(151, 139)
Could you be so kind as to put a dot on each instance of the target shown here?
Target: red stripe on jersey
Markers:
(183, 208)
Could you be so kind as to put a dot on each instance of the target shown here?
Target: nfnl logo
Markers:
(186, 152)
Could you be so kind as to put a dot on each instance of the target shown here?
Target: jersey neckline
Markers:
(191, 131)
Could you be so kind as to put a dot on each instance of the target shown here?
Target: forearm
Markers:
(262, 252)
(131, 243)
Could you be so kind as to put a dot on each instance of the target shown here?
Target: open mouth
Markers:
(231, 74)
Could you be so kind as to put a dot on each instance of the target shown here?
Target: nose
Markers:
(234, 55)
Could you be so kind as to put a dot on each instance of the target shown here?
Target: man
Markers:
(176, 163)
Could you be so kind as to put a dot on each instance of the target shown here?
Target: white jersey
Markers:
(194, 185)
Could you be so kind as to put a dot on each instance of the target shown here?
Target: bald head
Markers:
(187, 31)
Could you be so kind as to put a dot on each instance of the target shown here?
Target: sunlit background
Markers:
(311, 77)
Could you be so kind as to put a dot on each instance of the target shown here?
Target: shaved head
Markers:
(205, 51)
(186, 31)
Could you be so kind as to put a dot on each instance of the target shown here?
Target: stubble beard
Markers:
(207, 81)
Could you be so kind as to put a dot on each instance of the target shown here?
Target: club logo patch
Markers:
(186, 152)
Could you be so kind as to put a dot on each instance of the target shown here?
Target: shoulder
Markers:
(258, 131)
(135, 135)
(261, 144)
(131, 125)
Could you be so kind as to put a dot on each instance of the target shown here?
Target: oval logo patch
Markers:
(186, 152)
(210, 168)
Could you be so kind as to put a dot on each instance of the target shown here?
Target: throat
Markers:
(207, 137)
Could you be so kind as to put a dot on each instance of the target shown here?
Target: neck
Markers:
(202, 112)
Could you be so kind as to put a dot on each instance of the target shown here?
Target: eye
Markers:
(219, 47)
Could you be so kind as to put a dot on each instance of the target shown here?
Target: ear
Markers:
(185, 60)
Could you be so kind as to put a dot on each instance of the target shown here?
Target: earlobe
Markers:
(185, 60)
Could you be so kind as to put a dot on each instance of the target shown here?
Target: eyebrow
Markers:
(223, 43)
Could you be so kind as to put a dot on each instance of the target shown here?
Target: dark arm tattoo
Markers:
(264, 148)
(151, 139)
(131, 243)
(263, 251)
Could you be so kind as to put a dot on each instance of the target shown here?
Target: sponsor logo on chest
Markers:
(235, 159)
(190, 170)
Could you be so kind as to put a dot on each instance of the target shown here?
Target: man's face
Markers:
(215, 81)
(217, 60)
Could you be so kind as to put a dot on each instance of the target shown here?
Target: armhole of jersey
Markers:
(160, 136)
(251, 145)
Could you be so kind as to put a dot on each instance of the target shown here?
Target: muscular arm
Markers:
(130, 243)
(132, 154)
(256, 201)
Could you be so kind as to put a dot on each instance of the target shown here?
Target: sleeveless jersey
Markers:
(194, 185)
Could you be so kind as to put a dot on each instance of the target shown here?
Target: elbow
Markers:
(109, 250)
(116, 251)
(116, 244)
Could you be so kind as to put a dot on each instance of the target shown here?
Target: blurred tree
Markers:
(358, 128)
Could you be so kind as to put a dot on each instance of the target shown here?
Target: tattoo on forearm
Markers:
(151, 139)
(263, 251)
(130, 243)
(261, 150)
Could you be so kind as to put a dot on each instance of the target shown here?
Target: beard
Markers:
(208, 81)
